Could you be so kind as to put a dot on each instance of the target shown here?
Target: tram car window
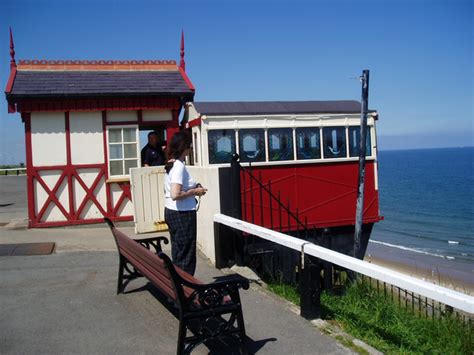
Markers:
(354, 139)
(334, 142)
(221, 144)
(251, 145)
(308, 145)
(280, 144)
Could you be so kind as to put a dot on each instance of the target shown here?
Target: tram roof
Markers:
(228, 108)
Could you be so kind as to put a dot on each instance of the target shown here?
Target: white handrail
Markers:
(438, 293)
(13, 169)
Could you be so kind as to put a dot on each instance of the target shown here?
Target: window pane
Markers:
(130, 150)
(308, 143)
(251, 145)
(280, 144)
(115, 135)
(129, 135)
(334, 142)
(221, 145)
(354, 142)
(116, 168)
(115, 151)
(130, 164)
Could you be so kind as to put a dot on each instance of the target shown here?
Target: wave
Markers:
(462, 239)
(407, 248)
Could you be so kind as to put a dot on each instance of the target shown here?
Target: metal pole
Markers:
(237, 209)
(362, 151)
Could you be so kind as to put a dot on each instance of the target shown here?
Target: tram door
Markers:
(147, 187)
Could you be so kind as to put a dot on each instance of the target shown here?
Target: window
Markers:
(280, 144)
(123, 149)
(251, 145)
(354, 142)
(308, 145)
(334, 142)
(221, 145)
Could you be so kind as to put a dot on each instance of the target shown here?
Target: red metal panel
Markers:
(324, 194)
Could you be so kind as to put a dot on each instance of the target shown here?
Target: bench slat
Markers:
(158, 279)
(153, 266)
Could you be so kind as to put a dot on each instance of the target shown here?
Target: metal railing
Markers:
(416, 292)
(12, 171)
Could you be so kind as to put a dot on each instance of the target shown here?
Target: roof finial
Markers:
(12, 50)
(182, 64)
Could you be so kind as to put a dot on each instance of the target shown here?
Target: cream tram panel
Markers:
(48, 138)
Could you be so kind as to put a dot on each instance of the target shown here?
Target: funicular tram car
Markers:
(300, 169)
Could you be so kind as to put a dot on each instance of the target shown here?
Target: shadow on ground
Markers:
(215, 346)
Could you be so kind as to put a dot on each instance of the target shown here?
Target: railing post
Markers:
(310, 291)
(237, 208)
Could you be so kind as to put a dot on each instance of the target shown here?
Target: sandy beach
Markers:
(448, 273)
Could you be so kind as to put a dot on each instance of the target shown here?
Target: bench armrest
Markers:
(153, 242)
(223, 291)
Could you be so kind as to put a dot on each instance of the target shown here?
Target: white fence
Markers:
(6, 171)
(441, 294)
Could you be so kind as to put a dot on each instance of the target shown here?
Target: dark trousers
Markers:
(182, 226)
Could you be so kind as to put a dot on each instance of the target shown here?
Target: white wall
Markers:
(210, 205)
(48, 135)
(157, 115)
(87, 144)
(48, 138)
(122, 116)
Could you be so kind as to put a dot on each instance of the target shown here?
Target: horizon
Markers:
(418, 80)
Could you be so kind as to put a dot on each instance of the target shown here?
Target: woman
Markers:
(180, 204)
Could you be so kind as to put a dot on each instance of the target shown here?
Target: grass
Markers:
(366, 314)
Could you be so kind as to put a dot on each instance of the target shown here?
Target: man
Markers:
(152, 154)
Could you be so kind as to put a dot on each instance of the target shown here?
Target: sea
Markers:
(427, 200)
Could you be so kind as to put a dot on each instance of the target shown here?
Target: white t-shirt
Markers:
(179, 175)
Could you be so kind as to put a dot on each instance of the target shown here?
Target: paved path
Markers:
(13, 202)
(66, 302)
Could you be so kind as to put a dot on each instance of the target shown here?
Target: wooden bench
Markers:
(199, 306)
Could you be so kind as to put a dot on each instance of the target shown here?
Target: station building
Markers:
(82, 121)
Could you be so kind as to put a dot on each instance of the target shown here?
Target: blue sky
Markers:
(419, 53)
